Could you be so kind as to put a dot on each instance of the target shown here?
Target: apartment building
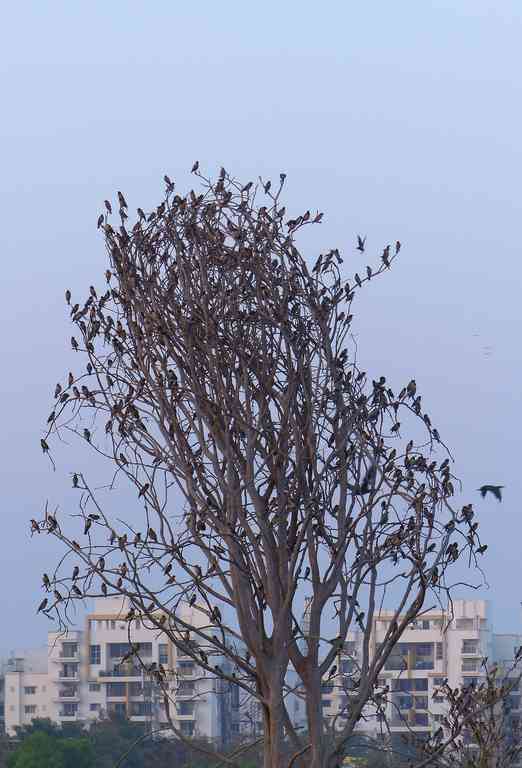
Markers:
(439, 646)
(26, 690)
(82, 674)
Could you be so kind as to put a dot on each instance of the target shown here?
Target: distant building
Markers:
(436, 647)
(82, 675)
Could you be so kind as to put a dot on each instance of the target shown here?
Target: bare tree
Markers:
(216, 377)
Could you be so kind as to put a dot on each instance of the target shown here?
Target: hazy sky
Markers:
(398, 119)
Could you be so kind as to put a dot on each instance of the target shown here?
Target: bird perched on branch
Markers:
(367, 483)
(496, 490)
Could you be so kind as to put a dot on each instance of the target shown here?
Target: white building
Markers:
(82, 675)
(439, 646)
(26, 688)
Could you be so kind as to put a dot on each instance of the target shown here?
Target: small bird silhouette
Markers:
(496, 490)
(361, 243)
(43, 605)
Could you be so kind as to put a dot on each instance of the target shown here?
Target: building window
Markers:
(135, 689)
(117, 707)
(113, 625)
(69, 650)
(30, 690)
(30, 709)
(94, 707)
(94, 687)
(470, 646)
(440, 651)
(163, 655)
(117, 650)
(140, 708)
(115, 689)
(94, 654)
(414, 684)
(185, 707)
(187, 727)
(464, 623)
(69, 709)
(438, 682)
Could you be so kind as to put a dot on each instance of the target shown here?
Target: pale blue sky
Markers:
(399, 120)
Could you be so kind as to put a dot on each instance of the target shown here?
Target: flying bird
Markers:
(496, 490)
(361, 241)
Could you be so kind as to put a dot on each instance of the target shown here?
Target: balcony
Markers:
(69, 695)
(471, 652)
(68, 675)
(121, 672)
(186, 671)
(69, 655)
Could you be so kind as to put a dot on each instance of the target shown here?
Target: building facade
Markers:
(83, 675)
(440, 646)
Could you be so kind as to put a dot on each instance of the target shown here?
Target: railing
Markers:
(68, 675)
(68, 694)
(68, 654)
(121, 672)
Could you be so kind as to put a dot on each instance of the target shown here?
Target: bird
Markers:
(195, 167)
(68, 296)
(43, 605)
(496, 490)
(411, 389)
(366, 485)
(361, 243)
(76, 572)
(108, 206)
(46, 581)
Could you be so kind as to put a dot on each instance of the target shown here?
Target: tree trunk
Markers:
(314, 716)
(273, 734)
